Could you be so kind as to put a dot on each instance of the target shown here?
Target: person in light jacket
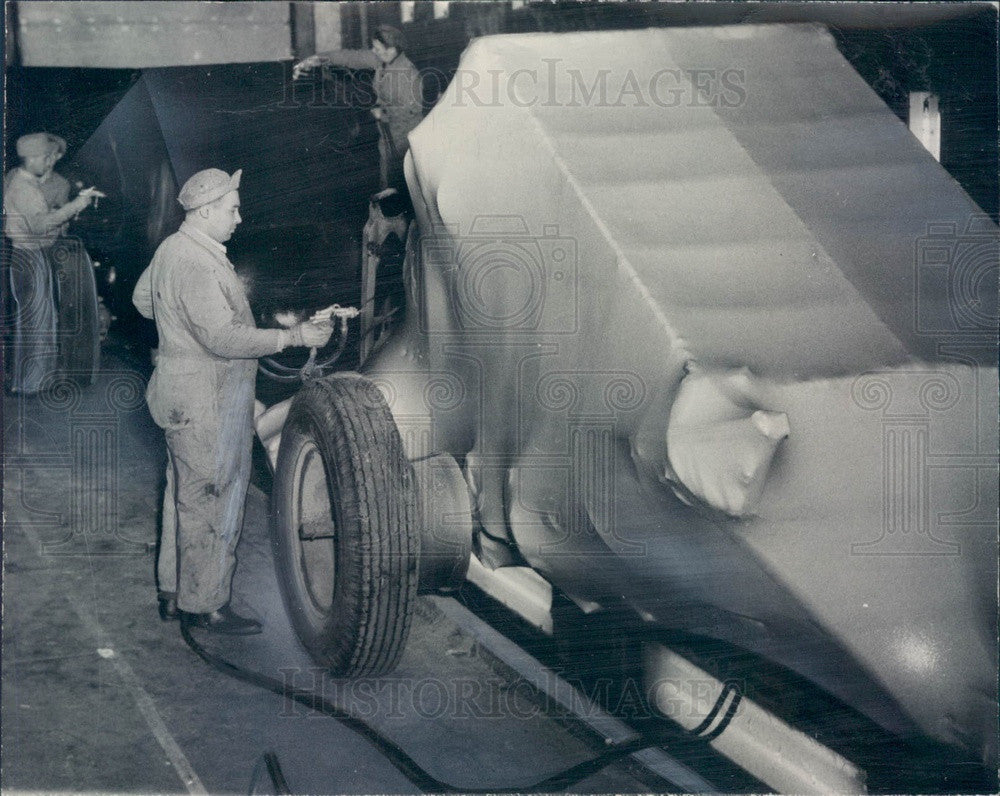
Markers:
(202, 395)
(33, 227)
(398, 94)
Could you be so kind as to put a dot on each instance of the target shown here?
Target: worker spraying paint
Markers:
(398, 94)
(33, 224)
(202, 395)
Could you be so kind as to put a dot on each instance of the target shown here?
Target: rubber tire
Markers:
(362, 627)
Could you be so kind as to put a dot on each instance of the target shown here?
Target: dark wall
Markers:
(956, 60)
(309, 165)
(68, 102)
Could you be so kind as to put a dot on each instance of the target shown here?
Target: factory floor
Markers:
(99, 695)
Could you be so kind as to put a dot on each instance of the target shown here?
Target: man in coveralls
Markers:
(33, 226)
(202, 395)
(398, 95)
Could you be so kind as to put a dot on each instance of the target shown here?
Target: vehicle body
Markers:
(726, 364)
(774, 241)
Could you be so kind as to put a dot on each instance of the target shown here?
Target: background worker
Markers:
(398, 94)
(33, 227)
(202, 395)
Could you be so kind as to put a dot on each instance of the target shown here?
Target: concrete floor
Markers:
(99, 695)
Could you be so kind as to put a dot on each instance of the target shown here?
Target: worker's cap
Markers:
(33, 145)
(58, 145)
(390, 37)
(207, 186)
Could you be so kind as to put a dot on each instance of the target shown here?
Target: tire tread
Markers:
(376, 569)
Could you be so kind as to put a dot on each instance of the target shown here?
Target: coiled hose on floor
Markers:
(428, 783)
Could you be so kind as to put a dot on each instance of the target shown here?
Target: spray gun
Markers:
(312, 369)
(325, 317)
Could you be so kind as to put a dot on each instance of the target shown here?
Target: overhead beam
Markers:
(151, 34)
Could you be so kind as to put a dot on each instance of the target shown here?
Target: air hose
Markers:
(425, 781)
(269, 763)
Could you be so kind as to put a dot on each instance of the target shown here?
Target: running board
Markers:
(751, 737)
(760, 743)
(520, 589)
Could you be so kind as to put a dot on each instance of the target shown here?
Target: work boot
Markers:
(168, 607)
(224, 620)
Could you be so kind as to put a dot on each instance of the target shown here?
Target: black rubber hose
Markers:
(269, 763)
(425, 781)
(275, 371)
(277, 776)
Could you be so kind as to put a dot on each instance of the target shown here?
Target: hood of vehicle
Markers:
(763, 199)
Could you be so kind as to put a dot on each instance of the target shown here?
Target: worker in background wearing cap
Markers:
(398, 94)
(32, 227)
(202, 395)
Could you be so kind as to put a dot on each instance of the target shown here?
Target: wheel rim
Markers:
(314, 529)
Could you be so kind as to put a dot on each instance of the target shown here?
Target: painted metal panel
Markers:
(616, 210)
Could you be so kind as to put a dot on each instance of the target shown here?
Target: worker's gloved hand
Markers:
(305, 66)
(313, 335)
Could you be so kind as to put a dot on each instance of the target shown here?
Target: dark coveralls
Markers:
(202, 395)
